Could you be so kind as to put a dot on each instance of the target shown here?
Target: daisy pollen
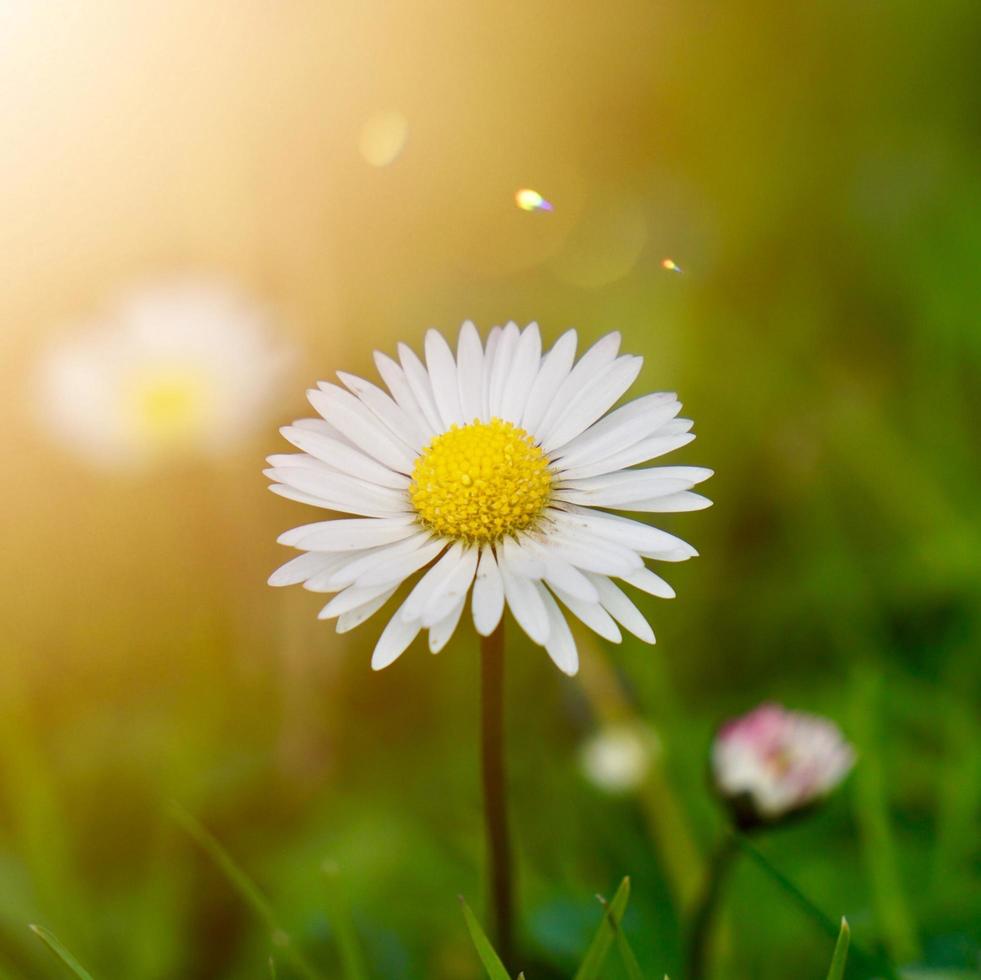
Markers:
(480, 482)
(490, 475)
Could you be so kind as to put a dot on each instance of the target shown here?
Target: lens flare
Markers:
(529, 200)
(670, 265)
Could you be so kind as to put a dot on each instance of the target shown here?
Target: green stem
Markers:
(704, 915)
(495, 792)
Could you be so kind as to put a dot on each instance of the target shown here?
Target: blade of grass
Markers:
(247, 890)
(874, 965)
(53, 943)
(599, 948)
(837, 971)
(874, 823)
(488, 956)
(627, 956)
(352, 958)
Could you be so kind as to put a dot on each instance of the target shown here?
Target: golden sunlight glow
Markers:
(480, 482)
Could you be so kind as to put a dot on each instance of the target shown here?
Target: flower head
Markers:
(176, 368)
(493, 473)
(772, 762)
(617, 758)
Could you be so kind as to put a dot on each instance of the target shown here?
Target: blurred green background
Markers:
(813, 169)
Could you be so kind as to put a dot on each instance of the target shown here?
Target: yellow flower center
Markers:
(168, 407)
(480, 482)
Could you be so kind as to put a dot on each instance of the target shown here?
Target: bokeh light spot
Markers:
(383, 138)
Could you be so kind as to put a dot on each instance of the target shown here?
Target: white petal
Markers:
(672, 503)
(321, 582)
(619, 606)
(557, 571)
(501, 369)
(488, 593)
(522, 560)
(355, 617)
(324, 428)
(300, 568)
(554, 369)
(620, 496)
(299, 459)
(651, 542)
(470, 373)
(394, 377)
(592, 614)
(595, 399)
(647, 482)
(561, 647)
(354, 420)
(443, 379)
(402, 567)
(455, 589)
(590, 556)
(397, 421)
(340, 456)
(676, 427)
(640, 452)
(578, 543)
(299, 496)
(349, 534)
(434, 581)
(636, 420)
(561, 574)
(648, 582)
(524, 367)
(350, 599)
(342, 493)
(393, 642)
(526, 605)
(593, 362)
(440, 633)
(418, 380)
(490, 355)
(384, 556)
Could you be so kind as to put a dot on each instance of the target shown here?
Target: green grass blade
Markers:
(837, 971)
(248, 891)
(488, 956)
(627, 956)
(876, 835)
(352, 958)
(875, 964)
(53, 943)
(608, 930)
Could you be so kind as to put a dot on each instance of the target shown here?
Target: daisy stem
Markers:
(495, 791)
(703, 917)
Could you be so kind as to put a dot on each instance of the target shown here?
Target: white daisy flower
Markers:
(175, 368)
(492, 473)
(617, 758)
(772, 762)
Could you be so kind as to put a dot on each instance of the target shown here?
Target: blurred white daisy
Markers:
(617, 758)
(773, 762)
(492, 472)
(176, 368)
